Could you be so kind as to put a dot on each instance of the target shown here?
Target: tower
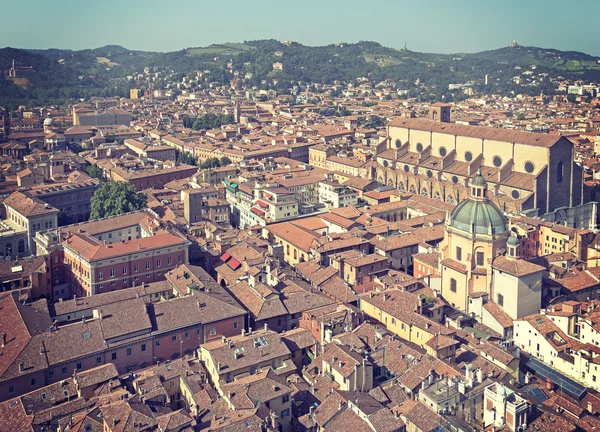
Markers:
(237, 114)
(440, 112)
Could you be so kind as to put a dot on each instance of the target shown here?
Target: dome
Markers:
(512, 241)
(49, 121)
(478, 180)
(478, 217)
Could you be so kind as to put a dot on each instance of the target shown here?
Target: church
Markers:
(528, 173)
(480, 259)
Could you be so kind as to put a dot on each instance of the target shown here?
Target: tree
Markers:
(186, 158)
(95, 171)
(212, 162)
(116, 198)
(225, 161)
(521, 116)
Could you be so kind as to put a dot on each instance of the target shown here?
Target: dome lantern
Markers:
(477, 214)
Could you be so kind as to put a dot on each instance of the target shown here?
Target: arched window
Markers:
(8, 249)
(21, 247)
(559, 172)
(398, 143)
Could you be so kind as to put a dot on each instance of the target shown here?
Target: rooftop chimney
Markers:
(3, 339)
(266, 327)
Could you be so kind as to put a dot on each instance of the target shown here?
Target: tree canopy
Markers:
(116, 198)
(207, 121)
(95, 171)
(210, 163)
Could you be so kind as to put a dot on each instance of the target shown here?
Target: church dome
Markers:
(478, 217)
(49, 121)
(477, 214)
(512, 241)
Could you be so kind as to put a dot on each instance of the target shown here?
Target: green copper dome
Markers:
(512, 241)
(478, 217)
(478, 180)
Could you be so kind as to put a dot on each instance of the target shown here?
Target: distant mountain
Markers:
(64, 74)
(571, 61)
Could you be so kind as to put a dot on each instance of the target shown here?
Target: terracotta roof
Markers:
(516, 267)
(481, 132)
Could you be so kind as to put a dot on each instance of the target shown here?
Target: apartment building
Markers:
(116, 253)
(26, 214)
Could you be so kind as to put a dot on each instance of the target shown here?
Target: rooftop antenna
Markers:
(404, 45)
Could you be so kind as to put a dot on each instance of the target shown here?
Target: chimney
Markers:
(223, 339)
(243, 332)
(3, 340)
(341, 406)
(261, 352)
(266, 327)
(479, 376)
(311, 410)
(100, 314)
(218, 366)
(249, 331)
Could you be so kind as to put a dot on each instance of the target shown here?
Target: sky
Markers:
(449, 26)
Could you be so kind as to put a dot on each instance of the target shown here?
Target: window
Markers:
(51, 374)
(157, 343)
(136, 268)
(124, 270)
(458, 253)
(179, 258)
(187, 334)
(442, 151)
(33, 382)
(480, 258)
(497, 161)
(453, 285)
(500, 300)
(170, 261)
(419, 147)
(174, 338)
(213, 331)
(100, 276)
(147, 265)
(559, 172)
(112, 273)
(114, 356)
(128, 351)
(11, 389)
(79, 365)
(468, 156)
(286, 412)
(143, 347)
(529, 167)
(98, 360)
(157, 263)
(63, 370)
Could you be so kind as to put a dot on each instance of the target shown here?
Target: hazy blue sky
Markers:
(430, 25)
